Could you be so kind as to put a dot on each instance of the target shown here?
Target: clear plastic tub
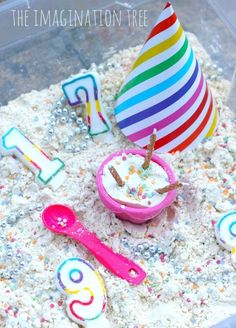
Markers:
(227, 12)
(228, 323)
(33, 57)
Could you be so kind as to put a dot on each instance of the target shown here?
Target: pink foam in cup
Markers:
(132, 214)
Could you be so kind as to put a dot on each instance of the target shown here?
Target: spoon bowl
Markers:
(59, 218)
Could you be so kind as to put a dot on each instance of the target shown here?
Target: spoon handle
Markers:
(114, 262)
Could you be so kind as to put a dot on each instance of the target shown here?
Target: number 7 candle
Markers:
(48, 171)
(86, 89)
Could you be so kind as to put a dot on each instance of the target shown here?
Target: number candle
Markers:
(86, 294)
(225, 230)
(49, 172)
(85, 89)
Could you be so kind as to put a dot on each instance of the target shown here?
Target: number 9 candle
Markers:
(86, 294)
(86, 89)
(48, 172)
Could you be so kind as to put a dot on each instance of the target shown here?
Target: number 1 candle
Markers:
(48, 172)
(86, 89)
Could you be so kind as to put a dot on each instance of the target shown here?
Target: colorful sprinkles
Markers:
(140, 184)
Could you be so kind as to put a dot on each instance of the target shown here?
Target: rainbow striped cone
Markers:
(166, 90)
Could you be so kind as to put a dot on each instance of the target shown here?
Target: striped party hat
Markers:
(166, 90)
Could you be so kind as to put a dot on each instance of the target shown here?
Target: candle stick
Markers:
(116, 176)
(85, 89)
(49, 172)
(86, 294)
(150, 149)
(169, 187)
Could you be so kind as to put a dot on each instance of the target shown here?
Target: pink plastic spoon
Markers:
(62, 220)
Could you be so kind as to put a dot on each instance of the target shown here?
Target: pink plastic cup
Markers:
(132, 214)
